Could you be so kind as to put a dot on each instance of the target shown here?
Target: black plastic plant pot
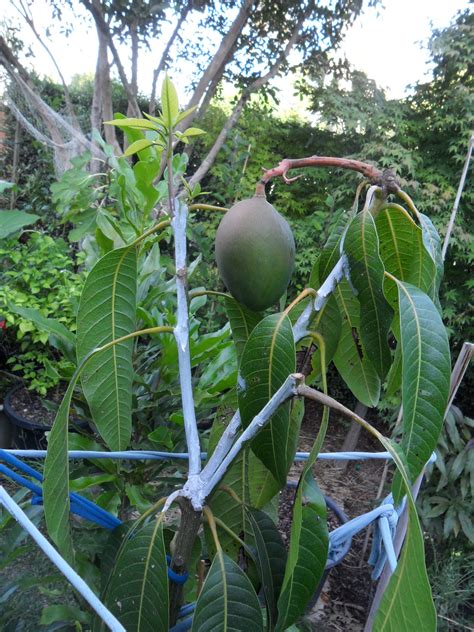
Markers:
(26, 434)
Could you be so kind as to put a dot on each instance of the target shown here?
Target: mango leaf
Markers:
(330, 254)
(262, 484)
(193, 131)
(137, 591)
(367, 276)
(267, 360)
(328, 324)
(271, 559)
(394, 377)
(224, 506)
(407, 603)
(56, 478)
(403, 253)
(107, 312)
(432, 244)
(133, 123)
(137, 146)
(308, 552)
(350, 358)
(13, 221)
(253, 484)
(169, 102)
(182, 115)
(242, 322)
(227, 600)
(426, 371)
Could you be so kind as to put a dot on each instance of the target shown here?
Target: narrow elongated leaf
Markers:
(137, 592)
(350, 358)
(133, 123)
(107, 312)
(13, 221)
(251, 481)
(271, 559)
(223, 505)
(407, 603)
(327, 323)
(261, 482)
(308, 552)
(425, 375)
(137, 146)
(367, 275)
(242, 322)
(394, 377)
(169, 102)
(403, 252)
(329, 255)
(56, 478)
(227, 600)
(267, 360)
(432, 244)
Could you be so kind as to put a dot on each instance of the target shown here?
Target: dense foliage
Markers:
(425, 136)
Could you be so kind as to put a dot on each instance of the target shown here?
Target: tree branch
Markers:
(209, 160)
(95, 8)
(164, 58)
(382, 178)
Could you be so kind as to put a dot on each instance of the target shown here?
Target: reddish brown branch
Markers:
(385, 179)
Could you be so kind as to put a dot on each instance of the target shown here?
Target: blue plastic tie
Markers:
(176, 578)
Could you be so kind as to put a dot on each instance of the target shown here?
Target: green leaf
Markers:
(63, 612)
(227, 600)
(50, 325)
(224, 506)
(242, 322)
(107, 312)
(185, 113)
(361, 245)
(394, 377)
(13, 221)
(56, 478)
(432, 244)
(169, 102)
(426, 370)
(271, 559)
(133, 123)
(327, 323)
(350, 358)
(193, 131)
(262, 485)
(267, 360)
(137, 146)
(330, 254)
(407, 603)
(403, 252)
(137, 591)
(308, 552)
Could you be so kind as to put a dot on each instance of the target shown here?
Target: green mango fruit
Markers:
(255, 253)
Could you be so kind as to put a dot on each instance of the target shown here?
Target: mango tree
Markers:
(370, 307)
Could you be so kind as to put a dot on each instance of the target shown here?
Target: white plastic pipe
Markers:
(79, 584)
